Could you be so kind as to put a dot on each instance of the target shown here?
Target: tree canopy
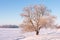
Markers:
(36, 17)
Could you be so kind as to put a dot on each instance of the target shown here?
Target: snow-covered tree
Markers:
(36, 17)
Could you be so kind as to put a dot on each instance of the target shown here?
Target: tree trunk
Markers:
(37, 32)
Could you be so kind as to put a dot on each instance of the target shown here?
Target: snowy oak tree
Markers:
(36, 17)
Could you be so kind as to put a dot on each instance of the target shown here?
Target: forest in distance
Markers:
(9, 26)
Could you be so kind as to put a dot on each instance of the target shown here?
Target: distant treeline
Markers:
(9, 26)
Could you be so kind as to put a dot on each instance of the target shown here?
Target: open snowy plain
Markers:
(16, 34)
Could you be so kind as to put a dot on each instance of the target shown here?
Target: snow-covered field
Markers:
(9, 33)
(15, 34)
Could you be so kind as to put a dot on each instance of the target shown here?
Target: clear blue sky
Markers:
(10, 9)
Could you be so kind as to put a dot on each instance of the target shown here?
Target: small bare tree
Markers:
(36, 17)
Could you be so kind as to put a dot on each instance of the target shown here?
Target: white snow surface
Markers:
(16, 34)
(43, 37)
(9, 33)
